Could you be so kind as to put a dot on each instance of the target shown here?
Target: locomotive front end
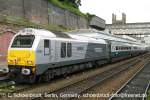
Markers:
(21, 58)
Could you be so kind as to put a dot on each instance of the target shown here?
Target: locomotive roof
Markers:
(32, 31)
(57, 34)
(43, 32)
(61, 34)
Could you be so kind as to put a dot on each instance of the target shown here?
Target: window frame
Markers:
(63, 50)
(32, 37)
(69, 49)
(46, 46)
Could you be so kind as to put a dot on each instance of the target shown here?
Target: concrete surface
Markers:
(3, 64)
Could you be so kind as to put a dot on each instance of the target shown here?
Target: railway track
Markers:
(3, 76)
(136, 87)
(75, 90)
(8, 86)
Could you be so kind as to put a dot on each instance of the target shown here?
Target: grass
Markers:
(69, 6)
(148, 95)
(18, 21)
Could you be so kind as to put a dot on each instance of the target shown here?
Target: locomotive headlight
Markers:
(25, 71)
(10, 62)
(29, 62)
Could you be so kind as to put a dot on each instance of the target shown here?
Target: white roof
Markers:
(101, 35)
(93, 36)
(33, 31)
(46, 33)
(89, 39)
(128, 37)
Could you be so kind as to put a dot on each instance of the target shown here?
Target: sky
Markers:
(135, 10)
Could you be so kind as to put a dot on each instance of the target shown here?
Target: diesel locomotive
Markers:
(38, 54)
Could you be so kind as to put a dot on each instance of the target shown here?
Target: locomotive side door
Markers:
(53, 51)
(49, 50)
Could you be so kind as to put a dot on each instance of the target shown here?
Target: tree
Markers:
(76, 3)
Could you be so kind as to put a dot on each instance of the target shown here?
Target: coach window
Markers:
(69, 49)
(119, 48)
(63, 50)
(46, 47)
(116, 47)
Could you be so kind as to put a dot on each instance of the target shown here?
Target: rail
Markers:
(131, 81)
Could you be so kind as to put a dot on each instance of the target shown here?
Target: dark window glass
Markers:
(63, 50)
(69, 49)
(46, 47)
(135, 47)
(116, 47)
(46, 43)
(23, 41)
(79, 48)
(119, 48)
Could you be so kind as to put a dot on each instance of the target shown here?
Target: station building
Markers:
(137, 30)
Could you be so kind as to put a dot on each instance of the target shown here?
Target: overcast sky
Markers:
(136, 10)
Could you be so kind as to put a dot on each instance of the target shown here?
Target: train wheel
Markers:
(48, 76)
(32, 79)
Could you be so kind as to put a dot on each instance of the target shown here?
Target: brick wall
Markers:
(5, 38)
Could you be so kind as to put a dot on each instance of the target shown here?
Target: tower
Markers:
(123, 18)
(113, 18)
(122, 21)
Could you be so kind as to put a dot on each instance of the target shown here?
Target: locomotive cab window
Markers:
(46, 47)
(23, 41)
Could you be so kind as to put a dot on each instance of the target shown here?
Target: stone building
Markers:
(138, 30)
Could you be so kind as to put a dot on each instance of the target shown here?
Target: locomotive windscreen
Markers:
(23, 41)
